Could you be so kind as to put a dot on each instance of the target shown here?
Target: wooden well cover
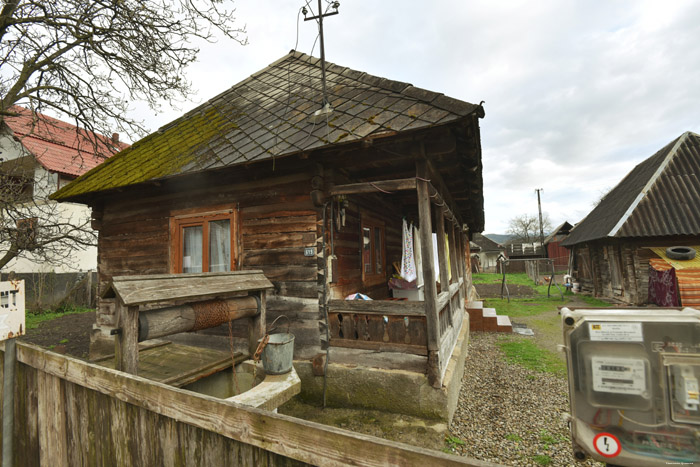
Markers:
(140, 290)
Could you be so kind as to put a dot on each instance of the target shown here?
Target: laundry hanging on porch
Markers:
(408, 264)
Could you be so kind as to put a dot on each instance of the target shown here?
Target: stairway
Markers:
(486, 320)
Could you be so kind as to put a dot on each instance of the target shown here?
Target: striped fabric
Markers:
(688, 281)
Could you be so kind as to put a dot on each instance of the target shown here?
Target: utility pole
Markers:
(326, 105)
(539, 207)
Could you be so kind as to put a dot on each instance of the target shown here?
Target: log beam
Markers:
(374, 187)
(194, 316)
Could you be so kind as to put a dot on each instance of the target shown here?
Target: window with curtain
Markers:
(204, 243)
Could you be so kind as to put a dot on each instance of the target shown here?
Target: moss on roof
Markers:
(160, 154)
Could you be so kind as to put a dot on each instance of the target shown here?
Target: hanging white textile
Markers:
(408, 264)
(418, 256)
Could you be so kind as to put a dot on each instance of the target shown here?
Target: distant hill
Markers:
(498, 238)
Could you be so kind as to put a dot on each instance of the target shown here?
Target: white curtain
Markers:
(219, 246)
(192, 249)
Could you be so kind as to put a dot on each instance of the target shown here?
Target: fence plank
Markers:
(294, 438)
(53, 449)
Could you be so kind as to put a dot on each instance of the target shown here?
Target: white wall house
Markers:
(42, 154)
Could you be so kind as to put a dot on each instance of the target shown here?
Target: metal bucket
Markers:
(277, 354)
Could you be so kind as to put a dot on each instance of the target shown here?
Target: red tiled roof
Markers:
(59, 146)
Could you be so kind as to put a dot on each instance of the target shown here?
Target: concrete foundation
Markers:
(398, 390)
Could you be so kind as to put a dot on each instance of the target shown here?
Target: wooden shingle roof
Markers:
(659, 197)
(271, 114)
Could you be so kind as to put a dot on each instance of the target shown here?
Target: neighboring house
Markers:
(259, 178)
(654, 207)
(42, 154)
(488, 252)
(555, 250)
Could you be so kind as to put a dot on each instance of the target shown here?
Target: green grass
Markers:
(526, 353)
(513, 437)
(34, 318)
(524, 306)
(542, 459)
(592, 301)
(451, 443)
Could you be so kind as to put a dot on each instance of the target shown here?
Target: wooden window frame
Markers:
(373, 277)
(179, 222)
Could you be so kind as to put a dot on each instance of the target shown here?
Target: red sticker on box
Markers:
(607, 445)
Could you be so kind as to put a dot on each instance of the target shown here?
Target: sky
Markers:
(576, 92)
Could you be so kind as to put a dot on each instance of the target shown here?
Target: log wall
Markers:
(593, 269)
(276, 217)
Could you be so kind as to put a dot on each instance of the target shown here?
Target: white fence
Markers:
(11, 309)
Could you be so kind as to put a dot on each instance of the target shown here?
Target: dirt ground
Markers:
(69, 334)
(494, 291)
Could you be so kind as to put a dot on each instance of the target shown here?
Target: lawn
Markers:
(540, 313)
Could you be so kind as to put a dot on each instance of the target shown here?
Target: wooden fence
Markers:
(70, 412)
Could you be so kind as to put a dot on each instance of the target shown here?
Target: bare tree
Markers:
(85, 61)
(526, 228)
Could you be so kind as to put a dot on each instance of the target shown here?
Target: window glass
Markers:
(192, 249)
(367, 249)
(220, 245)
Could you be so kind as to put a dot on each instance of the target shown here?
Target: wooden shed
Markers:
(259, 177)
(654, 207)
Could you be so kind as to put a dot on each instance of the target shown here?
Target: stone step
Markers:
(503, 324)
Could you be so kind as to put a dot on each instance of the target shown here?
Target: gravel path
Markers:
(510, 415)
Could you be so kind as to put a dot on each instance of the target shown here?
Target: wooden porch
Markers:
(429, 327)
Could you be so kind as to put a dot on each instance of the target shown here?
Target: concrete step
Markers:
(489, 320)
(503, 324)
(475, 305)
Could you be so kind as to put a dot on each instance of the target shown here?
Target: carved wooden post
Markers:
(442, 262)
(426, 237)
(466, 262)
(126, 346)
(454, 257)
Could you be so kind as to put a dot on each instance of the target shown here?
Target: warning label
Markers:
(616, 332)
(619, 375)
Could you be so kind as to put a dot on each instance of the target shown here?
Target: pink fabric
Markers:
(663, 288)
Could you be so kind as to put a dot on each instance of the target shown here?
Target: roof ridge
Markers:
(650, 183)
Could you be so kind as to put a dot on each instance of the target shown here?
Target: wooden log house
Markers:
(652, 208)
(257, 178)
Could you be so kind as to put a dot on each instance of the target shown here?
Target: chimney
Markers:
(115, 138)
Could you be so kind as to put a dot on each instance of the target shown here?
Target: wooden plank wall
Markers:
(347, 247)
(70, 412)
(277, 220)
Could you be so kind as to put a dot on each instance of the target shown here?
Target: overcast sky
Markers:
(577, 92)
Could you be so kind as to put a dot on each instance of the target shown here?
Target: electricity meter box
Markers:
(634, 384)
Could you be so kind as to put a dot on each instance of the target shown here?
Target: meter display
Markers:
(634, 380)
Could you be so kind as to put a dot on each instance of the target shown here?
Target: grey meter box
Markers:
(634, 384)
